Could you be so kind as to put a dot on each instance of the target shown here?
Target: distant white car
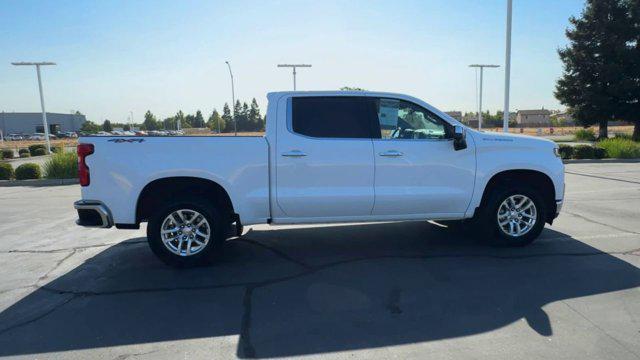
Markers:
(40, 136)
(335, 156)
(14, 137)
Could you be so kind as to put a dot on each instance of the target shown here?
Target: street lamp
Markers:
(507, 71)
(44, 113)
(481, 66)
(233, 100)
(294, 66)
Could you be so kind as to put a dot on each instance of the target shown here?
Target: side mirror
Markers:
(459, 138)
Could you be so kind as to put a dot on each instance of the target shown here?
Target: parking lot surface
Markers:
(384, 290)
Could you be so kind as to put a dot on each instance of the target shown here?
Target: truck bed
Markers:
(121, 167)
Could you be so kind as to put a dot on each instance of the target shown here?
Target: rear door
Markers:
(324, 157)
(417, 169)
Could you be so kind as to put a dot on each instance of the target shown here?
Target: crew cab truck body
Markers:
(326, 157)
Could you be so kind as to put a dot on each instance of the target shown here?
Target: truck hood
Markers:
(496, 139)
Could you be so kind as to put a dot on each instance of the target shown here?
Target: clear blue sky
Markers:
(119, 56)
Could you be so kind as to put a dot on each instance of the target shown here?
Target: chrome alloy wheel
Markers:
(517, 215)
(185, 232)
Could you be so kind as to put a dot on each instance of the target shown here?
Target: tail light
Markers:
(84, 150)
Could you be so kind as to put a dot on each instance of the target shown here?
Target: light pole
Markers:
(507, 71)
(44, 113)
(480, 90)
(294, 66)
(233, 100)
(131, 121)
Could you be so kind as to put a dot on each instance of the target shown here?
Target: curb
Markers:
(599, 161)
(39, 182)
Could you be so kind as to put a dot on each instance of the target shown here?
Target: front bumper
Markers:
(93, 213)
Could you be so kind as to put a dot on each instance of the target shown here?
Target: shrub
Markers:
(620, 148)
(6, 171)
(7, 154)
(57, 149)
(32, 148)
(28, 171)
(623, 136)
(566, 151)
(39, 152)
(25, 155)
(583, 152)
(63, 165)
(599, 153)
(24, 151)
(585, 135)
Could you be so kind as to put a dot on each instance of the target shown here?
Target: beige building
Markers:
(533, 118)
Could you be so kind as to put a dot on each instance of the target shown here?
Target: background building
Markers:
(539, 117)
(455, 114)
(29, 123)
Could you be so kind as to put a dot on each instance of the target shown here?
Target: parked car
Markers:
(14, 137)
(326, 157)
(40, 136)
(66, 135)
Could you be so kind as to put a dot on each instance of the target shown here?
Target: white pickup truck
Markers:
(326, 157)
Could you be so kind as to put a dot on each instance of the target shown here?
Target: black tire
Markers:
(488, 218)
(218, 229)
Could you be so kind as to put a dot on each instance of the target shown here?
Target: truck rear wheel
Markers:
(186, 233)
(513, 216)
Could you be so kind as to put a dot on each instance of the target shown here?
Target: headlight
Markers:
(556, 151)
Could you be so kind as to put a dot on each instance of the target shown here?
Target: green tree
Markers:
(227, 118)
(150, 122)
(126, 127)
(255, 119)
(632, 108)
(215, 121)
(596, 62)
(198, 121)
(180, 118)
(90, 127)
(106, 126)
(170, 123)
(188, 121)
(242, 118)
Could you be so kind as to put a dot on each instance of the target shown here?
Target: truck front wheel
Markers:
(513, 216)
(186, 233)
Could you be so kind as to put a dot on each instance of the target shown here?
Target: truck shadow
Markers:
(300, 291)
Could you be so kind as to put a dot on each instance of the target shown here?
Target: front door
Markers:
(324, 158)
(417, 170)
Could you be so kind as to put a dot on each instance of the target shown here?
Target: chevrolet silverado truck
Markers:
(325, 157)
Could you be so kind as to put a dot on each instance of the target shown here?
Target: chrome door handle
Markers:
(391, 153)
(294, 153)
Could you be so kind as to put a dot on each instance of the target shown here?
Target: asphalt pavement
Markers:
(363, 291)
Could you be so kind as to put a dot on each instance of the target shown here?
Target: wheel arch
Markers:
(534, 178)
(159, 191)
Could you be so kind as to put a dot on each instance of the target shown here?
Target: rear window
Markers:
(334, 117)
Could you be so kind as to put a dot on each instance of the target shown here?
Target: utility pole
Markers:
(507, 70)
(481, 66)
(233, 101)
(294, 66)
(44, 112)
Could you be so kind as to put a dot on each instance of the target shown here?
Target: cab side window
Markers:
(333, 117)
(401, 119)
